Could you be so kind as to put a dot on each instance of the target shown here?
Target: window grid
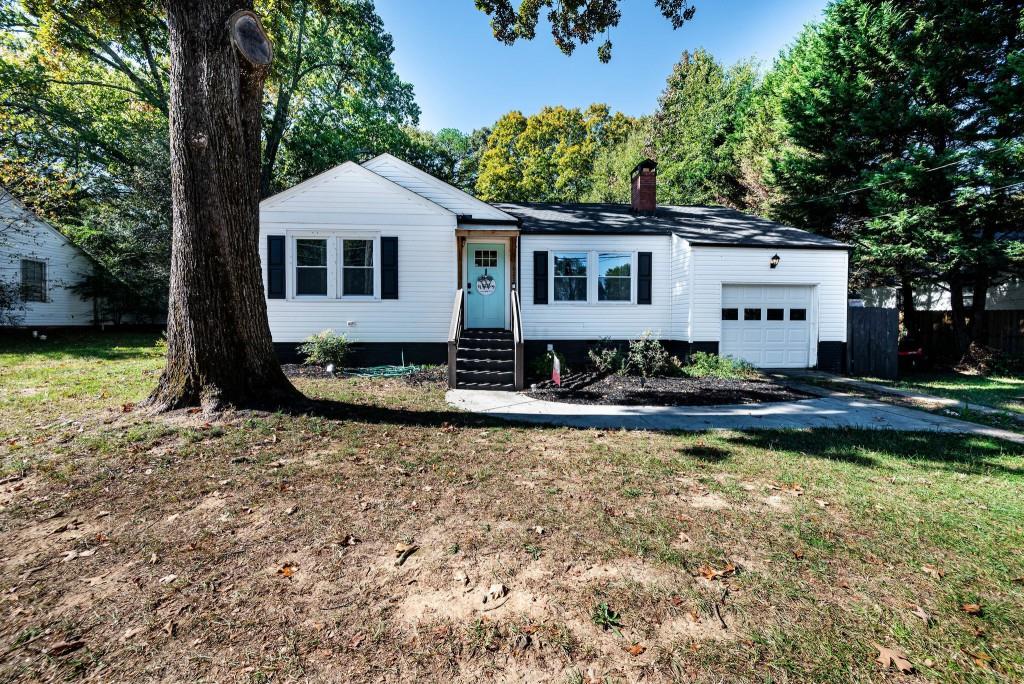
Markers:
(571, 276)
(357, 268)
(486, 258)
(311, 267)
(33, 280)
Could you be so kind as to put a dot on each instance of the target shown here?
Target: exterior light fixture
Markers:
(774, 261)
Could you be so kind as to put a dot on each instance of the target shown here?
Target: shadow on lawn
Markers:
(112, 346)
(960, 453)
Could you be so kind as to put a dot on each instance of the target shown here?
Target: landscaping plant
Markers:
(606, 357)
(704, 365)
(647, 357)
(325, 347)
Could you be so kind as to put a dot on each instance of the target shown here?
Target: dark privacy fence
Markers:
(934, 332)
(873, 342)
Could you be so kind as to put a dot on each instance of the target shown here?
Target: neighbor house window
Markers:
(310, 267)
(357, 268)
(33, 280)
(614, 281)
(570, 277)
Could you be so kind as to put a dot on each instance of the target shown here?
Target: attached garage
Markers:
(770, 326)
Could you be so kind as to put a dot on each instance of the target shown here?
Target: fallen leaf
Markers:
(636, 649)
(710, 573)
(356, 641)
(497, 591)
(64, 647)
(134, 631)
(403, 551)
(932, 571)
(350, 540)
(170, 628)
(980, 659)
(677, 601)
(923, 614)
(893, 657)
(287, 570)
(290, 510)
(972, 609)
(798, 554)
(87, 553)
(461, 578)
(167, 579)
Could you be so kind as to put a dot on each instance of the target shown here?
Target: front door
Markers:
(485, 286)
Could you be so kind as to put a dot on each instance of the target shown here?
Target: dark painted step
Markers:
(477, 353)
(462, 363)
(485, 386)
(485, 376)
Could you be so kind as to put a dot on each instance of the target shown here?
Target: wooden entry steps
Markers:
(485, 360)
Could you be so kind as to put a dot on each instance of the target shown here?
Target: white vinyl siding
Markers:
(595, 319)
(680, 289)
(422, 183)
(713, 267)
(353, 203)
(24, 236)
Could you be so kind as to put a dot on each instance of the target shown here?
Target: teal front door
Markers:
(486, 296)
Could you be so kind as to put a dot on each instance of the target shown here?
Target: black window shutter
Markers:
(276, 268)
(643, 281)
(540, 277)
(389, 268)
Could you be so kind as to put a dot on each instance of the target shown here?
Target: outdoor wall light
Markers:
(774, 261)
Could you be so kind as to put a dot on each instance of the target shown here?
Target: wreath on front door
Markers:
(486, 285)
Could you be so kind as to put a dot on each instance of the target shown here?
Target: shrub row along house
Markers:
(415, 270)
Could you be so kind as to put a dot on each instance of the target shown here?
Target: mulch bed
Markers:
(426, 375)
(590, 388)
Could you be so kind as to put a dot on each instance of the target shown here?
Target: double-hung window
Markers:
(310, 267)
(570, 276)
(357, 275)
(33, 280)
(614, 277)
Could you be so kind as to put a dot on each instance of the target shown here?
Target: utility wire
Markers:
(883, 184)
(933, 204)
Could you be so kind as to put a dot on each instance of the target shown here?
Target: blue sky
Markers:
(465, 79)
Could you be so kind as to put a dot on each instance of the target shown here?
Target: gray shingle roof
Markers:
(698, 225)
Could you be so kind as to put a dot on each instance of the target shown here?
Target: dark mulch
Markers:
(426, 375)
(588, 388)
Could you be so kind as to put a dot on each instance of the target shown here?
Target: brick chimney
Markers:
(644, 182)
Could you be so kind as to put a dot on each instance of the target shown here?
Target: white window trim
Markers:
(334, 265)
(340, 267)
(293, 266)
(592, 277)
(46, 277)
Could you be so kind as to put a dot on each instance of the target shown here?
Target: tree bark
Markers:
(956, 301)
(219, 349)
(907, 297)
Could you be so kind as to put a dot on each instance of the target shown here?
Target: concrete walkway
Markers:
(913, 396)
(832, 411)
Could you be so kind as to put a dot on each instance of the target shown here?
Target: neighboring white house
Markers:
(1006, 295)
(42, 264)
(380, 250)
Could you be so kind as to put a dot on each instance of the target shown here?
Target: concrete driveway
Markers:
(833, 411)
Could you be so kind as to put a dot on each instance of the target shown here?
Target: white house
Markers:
(42, 265)
(412, 268)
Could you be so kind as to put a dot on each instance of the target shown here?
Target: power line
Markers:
(883, 184)
(934, 204)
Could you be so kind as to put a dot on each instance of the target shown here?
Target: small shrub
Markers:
(704, 365)
(606, 357)
(540, 366)
(325, 347)
(647, 357)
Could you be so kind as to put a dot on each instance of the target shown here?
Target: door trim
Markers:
(465, 270)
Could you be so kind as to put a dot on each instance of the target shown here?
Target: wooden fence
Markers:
(934, 331)
(872, 347)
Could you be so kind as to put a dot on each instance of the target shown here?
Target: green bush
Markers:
(606, 357)
(325, 347)
(647, 357)
(540, 366)
(704, 365)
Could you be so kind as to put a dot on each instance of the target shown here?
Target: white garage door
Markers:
(767, 325)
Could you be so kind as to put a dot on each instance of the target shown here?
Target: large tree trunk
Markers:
(960, 332)
(219, 349)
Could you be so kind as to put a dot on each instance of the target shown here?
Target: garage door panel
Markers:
(764, 343)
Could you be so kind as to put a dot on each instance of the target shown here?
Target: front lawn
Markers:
(357, 540)
(1000, 392)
